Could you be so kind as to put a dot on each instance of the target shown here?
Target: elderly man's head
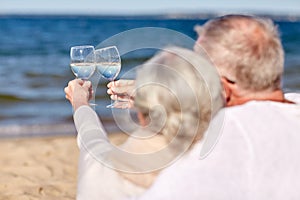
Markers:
(246, 50)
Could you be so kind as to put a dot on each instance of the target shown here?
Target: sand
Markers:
(40, 168)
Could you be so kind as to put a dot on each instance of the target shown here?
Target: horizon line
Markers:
(169, 15)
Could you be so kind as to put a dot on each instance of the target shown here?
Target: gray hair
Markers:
(179, 91)
(246, 50)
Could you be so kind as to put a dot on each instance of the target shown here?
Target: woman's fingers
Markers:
(120, 87)
(121, 83)
(78, 92)
(87, 85)
(67, 92)
(75, 86)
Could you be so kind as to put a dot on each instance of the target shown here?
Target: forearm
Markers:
(97, 177)
(91, 133)
(79, 104)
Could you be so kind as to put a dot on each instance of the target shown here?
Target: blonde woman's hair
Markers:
(246, 50)
(178, 91)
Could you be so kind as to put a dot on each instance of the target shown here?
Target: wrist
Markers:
(78, 104)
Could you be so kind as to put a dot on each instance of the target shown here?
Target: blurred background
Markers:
(36, 36)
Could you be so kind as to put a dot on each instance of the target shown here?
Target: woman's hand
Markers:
(123, 91)
(78, 92)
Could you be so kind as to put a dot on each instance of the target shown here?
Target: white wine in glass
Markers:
(108, 64)
(82, 61)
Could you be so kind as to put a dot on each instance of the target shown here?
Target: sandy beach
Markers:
(38, 168)
(41, 168)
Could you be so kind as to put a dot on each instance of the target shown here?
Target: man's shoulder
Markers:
(295, 97)
(253, 119)
(256, 107)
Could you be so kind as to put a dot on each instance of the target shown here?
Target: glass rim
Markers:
(83, 46)
(109, 47)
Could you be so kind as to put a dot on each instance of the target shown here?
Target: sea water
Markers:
(34, 60)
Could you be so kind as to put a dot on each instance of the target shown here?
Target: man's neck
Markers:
(276, 96)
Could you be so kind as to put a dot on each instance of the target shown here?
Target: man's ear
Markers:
(233, 93)
(231, 90)
(227, 92)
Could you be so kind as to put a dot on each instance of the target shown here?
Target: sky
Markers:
(133, 7)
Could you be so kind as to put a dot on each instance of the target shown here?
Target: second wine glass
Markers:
(108, 63)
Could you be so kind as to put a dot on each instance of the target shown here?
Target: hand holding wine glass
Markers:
(122, 90)
(78, 93)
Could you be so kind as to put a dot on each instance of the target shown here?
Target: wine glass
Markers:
(82, 62)
(108, 63)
